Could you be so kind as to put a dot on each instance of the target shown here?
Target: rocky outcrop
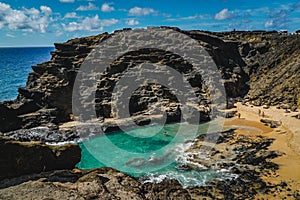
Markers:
(261, 66)
(273, 65)
(101, 183)
(44, 135)
(47, 95)
(20, 158)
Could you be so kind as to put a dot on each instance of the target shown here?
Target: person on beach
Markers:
(286, 110)
(263, 114)
(239, 115)
(259, 112)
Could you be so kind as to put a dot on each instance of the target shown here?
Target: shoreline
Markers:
(285, 138)
(253, 151)
(289, 123)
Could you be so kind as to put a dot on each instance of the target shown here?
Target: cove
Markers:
(150, 153)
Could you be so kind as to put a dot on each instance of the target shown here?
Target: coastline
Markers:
(265, 160)
(260, 181)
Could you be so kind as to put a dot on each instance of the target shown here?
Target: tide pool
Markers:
(150, 153)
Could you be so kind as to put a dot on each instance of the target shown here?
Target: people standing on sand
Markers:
(263, 114)
(259, 112)
(239, 115)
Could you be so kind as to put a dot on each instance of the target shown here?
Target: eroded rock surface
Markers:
(262, 65)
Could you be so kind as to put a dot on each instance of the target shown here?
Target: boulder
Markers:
(20, 158)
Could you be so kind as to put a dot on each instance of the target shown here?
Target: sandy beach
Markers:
(286, 136)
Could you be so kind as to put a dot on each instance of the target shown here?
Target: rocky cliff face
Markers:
(273, 65)
(263, 67)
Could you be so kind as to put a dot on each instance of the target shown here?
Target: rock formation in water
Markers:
(262, 67)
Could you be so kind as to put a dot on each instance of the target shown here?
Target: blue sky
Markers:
(43, 22)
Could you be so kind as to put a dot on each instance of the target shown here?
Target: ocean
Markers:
(15, 65)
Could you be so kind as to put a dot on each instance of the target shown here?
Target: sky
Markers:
(43, 22)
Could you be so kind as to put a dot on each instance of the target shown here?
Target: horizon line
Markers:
(26, 46)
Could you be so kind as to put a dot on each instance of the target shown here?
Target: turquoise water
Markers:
(151, 153)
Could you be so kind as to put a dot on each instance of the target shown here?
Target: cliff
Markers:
(261, 67)
(273, 65)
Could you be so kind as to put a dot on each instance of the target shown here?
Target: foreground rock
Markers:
(20, 158)
(102, 183)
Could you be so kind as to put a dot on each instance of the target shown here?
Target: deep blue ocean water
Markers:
(15, 65)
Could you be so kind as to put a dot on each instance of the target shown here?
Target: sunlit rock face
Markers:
(255, 66)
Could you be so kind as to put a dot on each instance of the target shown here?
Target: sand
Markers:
(286, 138)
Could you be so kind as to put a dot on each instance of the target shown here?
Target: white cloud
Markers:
(280, 18)
(47, 10)
(32, 20)
(269, 24)
(32, 11)
(89, 24)
(90, 6)
(137, 11)
(188, 18)
(71, 15)
(10, 35)
(67, 1)
(108, 22)
(132, 22)
(224, 14)
(106, 7)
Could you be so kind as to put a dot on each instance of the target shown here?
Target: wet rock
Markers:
(43, 134)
